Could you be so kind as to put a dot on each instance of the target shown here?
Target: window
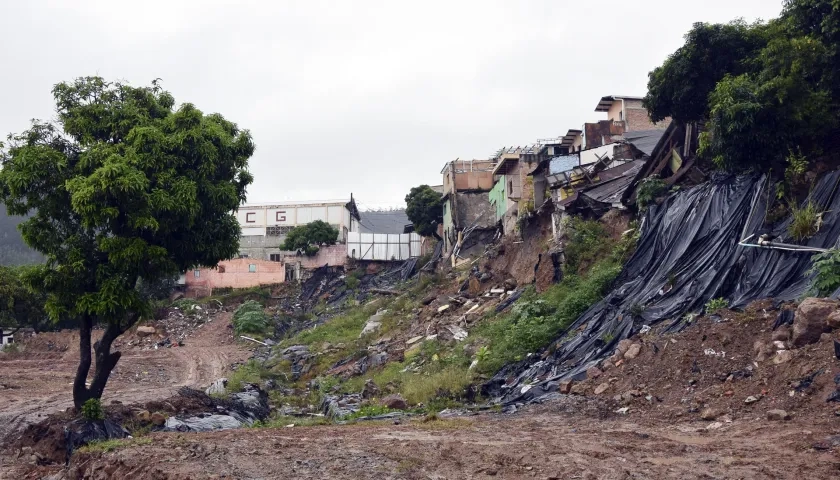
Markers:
(197, 273)
(252, 268)
(249, 217)
(278, 231)
(275, 257)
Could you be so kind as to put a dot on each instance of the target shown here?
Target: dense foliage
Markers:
(765, 90)
(309, 237)
(124, 190)
(20, 305)
(425, 210)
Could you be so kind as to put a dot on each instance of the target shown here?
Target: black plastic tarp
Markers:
(687, 254)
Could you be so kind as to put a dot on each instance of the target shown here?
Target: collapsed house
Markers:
(468, 217)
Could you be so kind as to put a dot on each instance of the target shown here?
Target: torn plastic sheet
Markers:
(689, 244)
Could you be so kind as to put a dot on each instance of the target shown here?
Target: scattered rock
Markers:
(709, 414)
(510, 284)
(372, 325)
(145, 331)
(752, 399)
(443, 308)
(593, 372)
(778, 415)
(429, 299)
(782, 334)
(633, 351)
(370, 390)
(395, 402)
(782, 356)
(810, 320)
(601, 388)
(413, 340)
(143, 415)
(158, 419)
(565, 387)
(833, 320)
(623, 346)
(475, 287)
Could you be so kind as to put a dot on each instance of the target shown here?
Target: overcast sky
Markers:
(356, 96)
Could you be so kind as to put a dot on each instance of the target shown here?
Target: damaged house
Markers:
(468, 217)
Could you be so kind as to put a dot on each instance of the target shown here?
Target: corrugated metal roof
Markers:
(389, 221)
(613, 182)
(563, 163)
(644, 140)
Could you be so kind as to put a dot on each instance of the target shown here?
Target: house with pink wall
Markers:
(252, 272)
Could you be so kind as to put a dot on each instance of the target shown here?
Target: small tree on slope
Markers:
(124, 191)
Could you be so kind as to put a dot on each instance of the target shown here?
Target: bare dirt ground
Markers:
(540, 442)
(38, 381)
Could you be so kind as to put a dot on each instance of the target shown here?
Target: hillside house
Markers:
(265, 226)
(466, 206)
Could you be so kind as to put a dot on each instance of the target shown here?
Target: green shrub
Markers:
(534, 323)
(649, 190)
(805, 221)
(352, 282)
(716, 304)
(586, 241)
(451, 382)
(92, 410)
(249, 372)
(250, 318)
(826, 271)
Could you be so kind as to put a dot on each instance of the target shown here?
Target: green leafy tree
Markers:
(123, 190)
(680, 87)
(309, 237)
(764, 90)
(20, 305)
(425, 210)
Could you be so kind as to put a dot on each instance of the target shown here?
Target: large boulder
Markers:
(145, 331)
(811, 320)
(395, 402)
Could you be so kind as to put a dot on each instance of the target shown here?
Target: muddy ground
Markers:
(662, 435)
(38, 381)
(542, 442)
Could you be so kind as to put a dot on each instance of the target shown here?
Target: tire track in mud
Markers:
(38, 383)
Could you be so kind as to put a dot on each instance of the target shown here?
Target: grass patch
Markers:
(104, 446)
(249, 372)
(537, 320)
(450, 382)
(805, 221)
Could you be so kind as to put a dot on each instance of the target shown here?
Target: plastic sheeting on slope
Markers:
(688, 253)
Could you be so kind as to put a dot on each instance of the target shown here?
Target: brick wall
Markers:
(333, 255)
(636, 117)
(602, 133)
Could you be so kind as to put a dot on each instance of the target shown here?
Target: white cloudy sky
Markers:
(369, 97)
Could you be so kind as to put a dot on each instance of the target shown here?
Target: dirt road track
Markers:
(540, 443)
(38, 381)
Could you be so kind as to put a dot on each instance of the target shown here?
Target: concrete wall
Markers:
(235, 273)
(498, 197)
(460, 175)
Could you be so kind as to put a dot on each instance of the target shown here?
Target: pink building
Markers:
(252, 272)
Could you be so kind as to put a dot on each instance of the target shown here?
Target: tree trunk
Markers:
(105, 359)
(80, 391)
